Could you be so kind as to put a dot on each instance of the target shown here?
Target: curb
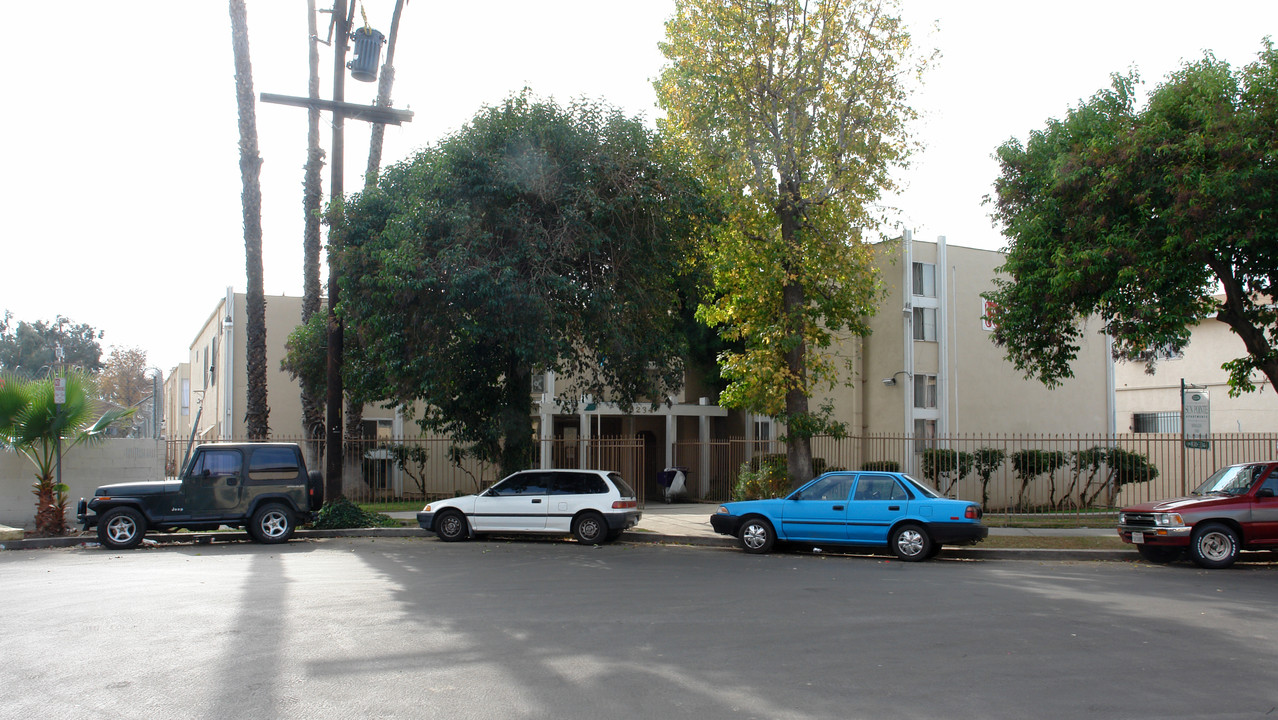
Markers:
(89, 540)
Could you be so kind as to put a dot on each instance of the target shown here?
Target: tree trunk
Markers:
(312, 197)
(516, 419)
(256, 413)
(793, 301)
(384, 83)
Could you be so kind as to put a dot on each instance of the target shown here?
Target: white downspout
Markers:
(228, 365)
(942, 337)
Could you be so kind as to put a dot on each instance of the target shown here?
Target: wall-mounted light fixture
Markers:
(891, 381)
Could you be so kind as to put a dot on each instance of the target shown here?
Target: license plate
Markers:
(1138, 538)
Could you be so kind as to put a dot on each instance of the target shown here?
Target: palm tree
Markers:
(32, 424)
(257, 413)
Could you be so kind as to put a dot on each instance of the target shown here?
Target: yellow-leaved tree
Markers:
(797, 112)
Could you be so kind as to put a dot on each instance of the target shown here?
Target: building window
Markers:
(924, 391)
(538, 383)
(185, 396)
(213, 363)
(925, 324)
(1156, 422)
(924, 280)
(924, 435)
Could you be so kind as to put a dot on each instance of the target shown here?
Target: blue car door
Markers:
(819, 510)
(877, 503)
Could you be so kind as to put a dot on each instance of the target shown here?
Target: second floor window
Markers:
(925, 324)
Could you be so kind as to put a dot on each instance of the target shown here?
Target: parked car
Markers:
(865, 509)
(1233, 510)
(595, 506)
(263, 487)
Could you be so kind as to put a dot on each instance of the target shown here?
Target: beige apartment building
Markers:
(1148, 403)
(929, 368)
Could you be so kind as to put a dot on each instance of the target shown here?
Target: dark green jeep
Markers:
(263, 487)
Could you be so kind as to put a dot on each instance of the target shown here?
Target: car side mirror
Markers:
(1264, 493)
(797, 496)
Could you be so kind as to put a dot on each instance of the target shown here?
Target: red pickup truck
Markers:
(1233, 510)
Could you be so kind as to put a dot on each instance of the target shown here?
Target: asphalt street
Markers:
(413, 627)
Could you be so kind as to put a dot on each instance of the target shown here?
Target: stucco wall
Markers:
(83, 470)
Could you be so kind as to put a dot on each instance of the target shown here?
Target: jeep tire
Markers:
(272, 523)
(121, 528)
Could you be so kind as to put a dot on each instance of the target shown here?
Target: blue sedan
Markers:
(865, 509)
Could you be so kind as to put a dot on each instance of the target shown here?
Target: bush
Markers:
(881, 466)
(762, 477)
(342, 513)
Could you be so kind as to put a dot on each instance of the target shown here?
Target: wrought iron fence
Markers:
(1005, 473)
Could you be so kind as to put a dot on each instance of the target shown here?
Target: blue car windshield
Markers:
(922, 488)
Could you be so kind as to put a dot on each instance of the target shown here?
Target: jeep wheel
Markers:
(121, 528)
(272, 523)
(1214, 546)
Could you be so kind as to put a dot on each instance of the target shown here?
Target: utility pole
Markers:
(342, 18)
(333, 422)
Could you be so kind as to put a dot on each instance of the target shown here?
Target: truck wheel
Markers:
(1214, 546)
(121, 528)
(272, 523)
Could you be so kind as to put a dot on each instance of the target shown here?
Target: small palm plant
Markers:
(32, 424)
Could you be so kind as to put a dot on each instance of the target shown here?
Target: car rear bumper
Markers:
(957, 533)
(623, 520)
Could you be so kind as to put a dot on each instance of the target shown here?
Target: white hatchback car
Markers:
(595, 506)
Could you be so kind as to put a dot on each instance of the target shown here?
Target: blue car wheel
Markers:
(756, 535)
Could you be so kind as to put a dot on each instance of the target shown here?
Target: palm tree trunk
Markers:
(256, 412)
(312, 196)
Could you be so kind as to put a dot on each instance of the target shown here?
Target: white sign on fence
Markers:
(1197, 409)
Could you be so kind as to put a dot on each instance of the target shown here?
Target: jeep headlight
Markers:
(1168, 520)
(1122, 518)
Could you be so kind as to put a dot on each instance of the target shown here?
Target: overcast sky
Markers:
(121, 187)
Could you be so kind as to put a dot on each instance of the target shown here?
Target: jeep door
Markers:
(516, 504)
(214, 484)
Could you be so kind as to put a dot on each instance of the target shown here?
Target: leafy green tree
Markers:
(32, 423)
(1152, 219)
(946, 466)
(123, 380)
(535, 238)
(985, 461)
(796, 111)
(1029, 464)
(27, 347)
